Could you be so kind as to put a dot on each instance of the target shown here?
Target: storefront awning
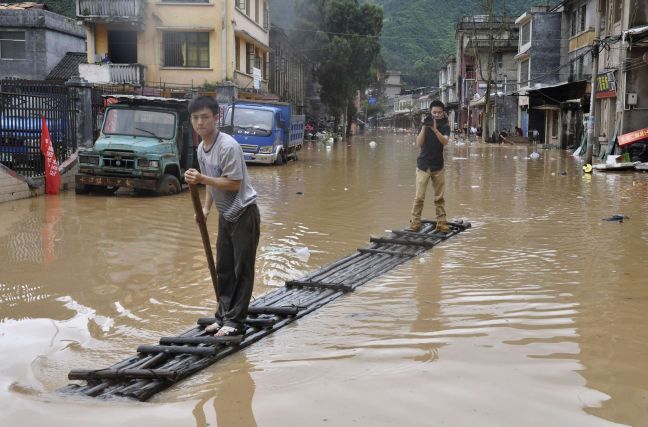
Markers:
(559, 92)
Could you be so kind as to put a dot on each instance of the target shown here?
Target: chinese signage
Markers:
(629, 138)
(606, 85)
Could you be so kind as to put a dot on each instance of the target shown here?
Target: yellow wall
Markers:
(189, 17)
(101, 40)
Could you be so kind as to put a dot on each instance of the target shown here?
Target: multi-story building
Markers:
(621, 97)
(288, 70)
(447, 89)
(33, 40)
(187, 43)
(538, 67)
(480, 42)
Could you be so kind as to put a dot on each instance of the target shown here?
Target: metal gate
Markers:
(22, 104)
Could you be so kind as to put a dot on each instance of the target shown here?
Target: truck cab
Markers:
(267, 131)
(145, 144)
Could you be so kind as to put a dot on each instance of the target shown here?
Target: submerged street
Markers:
(534, 317)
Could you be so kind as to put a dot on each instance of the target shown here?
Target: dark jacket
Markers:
(431, 155)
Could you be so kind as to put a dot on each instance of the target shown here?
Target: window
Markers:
(266, 16)
(250, 57)
(186, 49)
(524, 72)
(578, 20)
(499, 60)
(525, 33)
(618, 10)
(122, 47)
(184, 1)
(12, 45)
(237, 44)
(240, 4)
(256, 11)
(247, 7)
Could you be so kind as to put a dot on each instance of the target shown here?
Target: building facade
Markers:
(288, 70)
(538, 66)
(480, 42)
(187, 43)
(33, 41)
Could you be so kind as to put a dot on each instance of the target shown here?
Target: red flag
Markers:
(52, 175)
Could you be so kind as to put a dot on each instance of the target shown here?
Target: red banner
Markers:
(629, 138)
(52, 175)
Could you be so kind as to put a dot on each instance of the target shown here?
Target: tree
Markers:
(345, 47)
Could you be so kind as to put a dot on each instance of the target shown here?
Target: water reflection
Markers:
(232, 399)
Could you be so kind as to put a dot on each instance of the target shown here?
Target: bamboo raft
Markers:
(157, 367)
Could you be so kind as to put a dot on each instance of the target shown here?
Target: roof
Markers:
(22, 5)
(68, 66)
(127, 98)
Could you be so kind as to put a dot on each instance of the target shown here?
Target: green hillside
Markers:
(418, 34)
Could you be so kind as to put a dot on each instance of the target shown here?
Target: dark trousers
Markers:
(236, 247)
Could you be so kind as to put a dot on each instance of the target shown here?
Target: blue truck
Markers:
(268, 132)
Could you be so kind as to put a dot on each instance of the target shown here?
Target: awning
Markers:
(559, 92)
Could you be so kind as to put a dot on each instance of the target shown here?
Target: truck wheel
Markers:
(81, 189)
(169, 184)
(280, 158)
(106, 189)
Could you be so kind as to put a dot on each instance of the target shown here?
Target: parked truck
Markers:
(268, 132)
(145, 144)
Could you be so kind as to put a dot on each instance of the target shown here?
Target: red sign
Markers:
(52, 175)
(629, 138)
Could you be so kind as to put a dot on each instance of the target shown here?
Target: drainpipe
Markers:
(230, 48)
(591, 121)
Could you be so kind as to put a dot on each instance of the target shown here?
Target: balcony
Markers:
(103, 11)
(581, 40)
(114, 73)
(246, 82)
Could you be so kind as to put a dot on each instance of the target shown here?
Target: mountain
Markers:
(418, 34)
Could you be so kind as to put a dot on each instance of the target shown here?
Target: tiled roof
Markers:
(68, 66)
(22, 5)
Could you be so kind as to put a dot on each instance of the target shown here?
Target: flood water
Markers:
(536, 316)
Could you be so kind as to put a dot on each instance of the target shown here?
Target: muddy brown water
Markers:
(535, 317)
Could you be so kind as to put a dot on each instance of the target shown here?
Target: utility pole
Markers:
(489, 77)
(591, 120)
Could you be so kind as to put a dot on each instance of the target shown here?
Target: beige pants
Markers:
(438, 184)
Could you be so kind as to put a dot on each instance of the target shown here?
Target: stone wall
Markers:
(15, 187)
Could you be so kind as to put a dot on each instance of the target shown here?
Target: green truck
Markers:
(145, 144)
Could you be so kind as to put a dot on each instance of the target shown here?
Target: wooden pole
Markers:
(202, 225)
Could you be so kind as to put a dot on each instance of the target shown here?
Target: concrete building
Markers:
(289, 70)
(393, 85)
(33, 40)
(186, 43)
(473, 52)
(447, 90)
(538, 66)
(621, 105)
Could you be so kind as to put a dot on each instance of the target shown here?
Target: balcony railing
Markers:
(581, 40)
(111, 10)
(246, 82)
(113, 73)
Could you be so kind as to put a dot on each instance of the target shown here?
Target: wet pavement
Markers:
(536, 316)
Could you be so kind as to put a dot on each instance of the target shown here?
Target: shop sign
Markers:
(629, 138)
(606, 85)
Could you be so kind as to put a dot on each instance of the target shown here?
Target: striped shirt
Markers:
(225, 159)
